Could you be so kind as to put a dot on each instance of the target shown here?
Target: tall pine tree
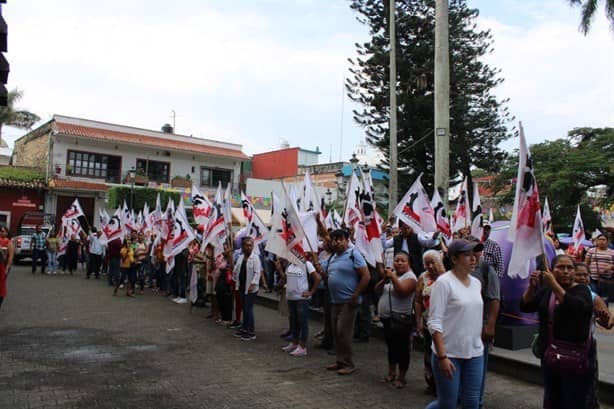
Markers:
(477, 118)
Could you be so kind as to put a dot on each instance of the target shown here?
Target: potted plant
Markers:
(181, 181)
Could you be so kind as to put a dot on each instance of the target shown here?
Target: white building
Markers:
(83, 158)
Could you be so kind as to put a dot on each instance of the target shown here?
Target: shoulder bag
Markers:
(564, 357)
(399, 322)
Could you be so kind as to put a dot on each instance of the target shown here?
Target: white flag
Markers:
(179, 238)
(462, 216)
(415, 209)
(201, 206)
(114, 229)
(478, 220)
(351, 211)
(491, 216)
(74, 211)
(578, 233)
(526, 225)
(286, 236)
(441, 218)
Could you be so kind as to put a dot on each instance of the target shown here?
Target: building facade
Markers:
(82, 158)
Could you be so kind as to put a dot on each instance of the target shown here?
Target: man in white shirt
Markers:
(96, 251)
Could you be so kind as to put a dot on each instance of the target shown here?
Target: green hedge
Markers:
(21, 174)
(117, 196)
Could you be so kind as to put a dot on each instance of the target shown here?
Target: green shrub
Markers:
(117, 195)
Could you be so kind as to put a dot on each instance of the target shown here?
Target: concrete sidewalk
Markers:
(66, 342)
(520, 364)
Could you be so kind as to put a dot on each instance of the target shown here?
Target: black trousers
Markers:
(94, 265)
(398, 345)
(225, 298)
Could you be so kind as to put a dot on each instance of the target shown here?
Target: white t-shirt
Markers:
(456, 312)
(297, 281)
(399, 304)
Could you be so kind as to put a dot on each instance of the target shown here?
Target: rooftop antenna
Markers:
(173, 116)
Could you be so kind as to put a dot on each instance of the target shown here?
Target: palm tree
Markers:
(11, 117)
(589, 8)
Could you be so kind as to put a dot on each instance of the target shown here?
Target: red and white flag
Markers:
(526, 226)
(371, 221)
(103, 217)
(215, 231)
(179, 238)
(478, 219)
(255, 227)
(286, 236)
(415, 209)
(578, 233)
(74, 211)
(113, 229)
(462, 216)
(441, 217)
(201, 207)
(547, 220)
(128, 221)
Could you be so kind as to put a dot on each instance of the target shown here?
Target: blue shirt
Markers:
(343, 278)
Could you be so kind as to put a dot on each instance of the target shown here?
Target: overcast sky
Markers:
(256, 71)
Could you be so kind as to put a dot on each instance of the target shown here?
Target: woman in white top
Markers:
(455, 324)
(397, 287)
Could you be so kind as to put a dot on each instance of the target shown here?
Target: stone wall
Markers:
(32, 150)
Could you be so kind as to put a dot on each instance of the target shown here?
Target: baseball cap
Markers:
(463, 246)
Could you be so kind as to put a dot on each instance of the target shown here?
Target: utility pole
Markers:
(393, 173)
(442, 100)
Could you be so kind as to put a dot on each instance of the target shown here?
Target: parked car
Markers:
(22, 240)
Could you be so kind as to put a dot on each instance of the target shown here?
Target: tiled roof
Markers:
(32, 184)
(132, 138)
(76, 184)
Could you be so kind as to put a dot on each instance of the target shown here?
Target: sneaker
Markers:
(299, 351)
(121, 286)
(240, 333)
(290, 347)
(234, 325)
(182, 301)
(248, 337)
(176, 299)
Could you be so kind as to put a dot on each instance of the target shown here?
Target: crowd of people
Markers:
(447, 294)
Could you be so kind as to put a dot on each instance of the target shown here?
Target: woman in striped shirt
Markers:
(600, 261)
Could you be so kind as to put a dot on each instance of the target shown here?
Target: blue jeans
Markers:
(485, 368)
(467, 378)
(299, 319)
(52, 260)
(248, 311)
(38, 255)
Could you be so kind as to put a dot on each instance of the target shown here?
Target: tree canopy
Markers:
(566, 170)
(11, 116)
(589, 10)
(477, 118)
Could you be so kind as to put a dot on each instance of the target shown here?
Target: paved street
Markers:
(65, 342)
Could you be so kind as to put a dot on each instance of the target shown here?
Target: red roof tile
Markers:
(76, 184)
(116, 136)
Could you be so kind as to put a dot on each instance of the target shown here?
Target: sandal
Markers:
(389, 378)
(333, 367)
(399, 384)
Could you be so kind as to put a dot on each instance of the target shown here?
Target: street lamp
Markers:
(132, 176)
(354, 160)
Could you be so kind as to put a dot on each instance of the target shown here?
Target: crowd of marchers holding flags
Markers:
(420, 274)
